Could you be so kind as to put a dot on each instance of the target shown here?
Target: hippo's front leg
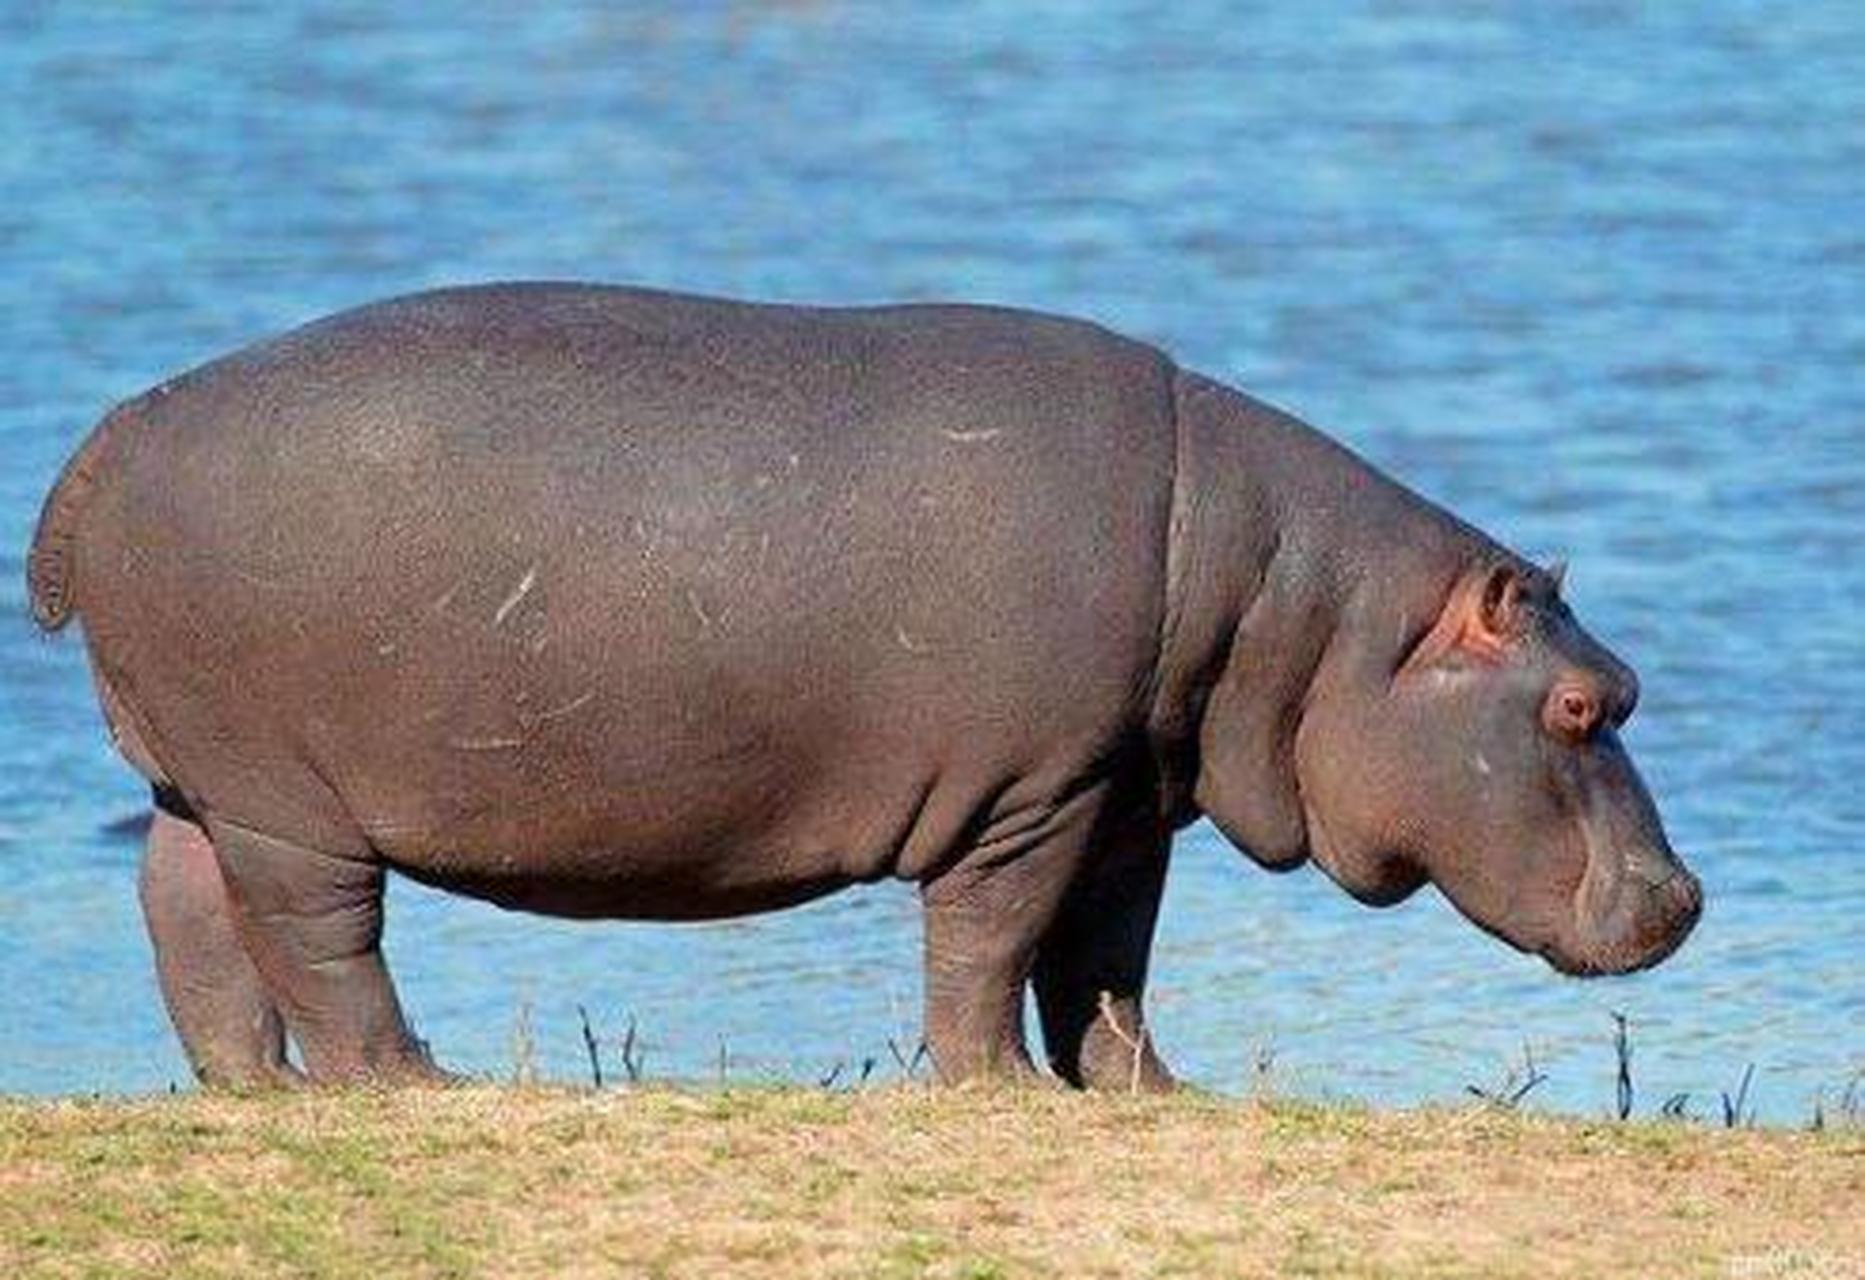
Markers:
(1091, 967)
(985, 915)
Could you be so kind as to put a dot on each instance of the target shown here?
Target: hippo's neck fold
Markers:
(1288, 555)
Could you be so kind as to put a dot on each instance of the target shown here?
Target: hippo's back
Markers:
(524, 562)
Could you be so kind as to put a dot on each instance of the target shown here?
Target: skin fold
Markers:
(602, 602)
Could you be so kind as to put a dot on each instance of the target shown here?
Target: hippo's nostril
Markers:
(1656, 874)
(1675, 894)
(1688, 892)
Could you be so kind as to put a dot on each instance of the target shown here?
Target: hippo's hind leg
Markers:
(312, 922)
(229, 1027)
(1091, 965)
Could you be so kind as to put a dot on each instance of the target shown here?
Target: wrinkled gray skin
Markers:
(608, 603)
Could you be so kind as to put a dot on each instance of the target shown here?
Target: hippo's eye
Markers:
(1571, 713)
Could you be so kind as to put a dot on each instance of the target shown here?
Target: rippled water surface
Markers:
(1592, 274)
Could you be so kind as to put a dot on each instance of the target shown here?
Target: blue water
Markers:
(1591, 274)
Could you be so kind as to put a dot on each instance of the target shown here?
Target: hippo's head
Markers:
(1480, 752)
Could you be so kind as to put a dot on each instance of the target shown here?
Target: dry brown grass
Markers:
(902, 1182)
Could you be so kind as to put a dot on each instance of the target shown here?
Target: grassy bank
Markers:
(902, 1182)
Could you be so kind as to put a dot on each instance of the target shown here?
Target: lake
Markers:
(1592, 275)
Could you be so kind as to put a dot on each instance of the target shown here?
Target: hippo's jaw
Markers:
(1644, 948)
(1371, 876)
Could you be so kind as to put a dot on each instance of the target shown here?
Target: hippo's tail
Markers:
(50, 567)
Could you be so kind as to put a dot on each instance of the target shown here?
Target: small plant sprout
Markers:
(589, 1047)
(1136, 1043)
(1516, 1083)
(1734, 1115)
(631, 1053)
(1622, 1050)
(524, 1046)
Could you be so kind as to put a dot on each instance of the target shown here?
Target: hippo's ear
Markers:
(1498, 617)
(1481, 617)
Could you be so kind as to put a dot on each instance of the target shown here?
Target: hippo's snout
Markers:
(1656, 905)
(1669, 911)
(1683, 906)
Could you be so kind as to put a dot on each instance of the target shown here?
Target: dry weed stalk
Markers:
(1136, 1045)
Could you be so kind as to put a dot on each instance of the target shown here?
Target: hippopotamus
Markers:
(613, 603)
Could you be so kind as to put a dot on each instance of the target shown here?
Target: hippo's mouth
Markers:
(1634, 940)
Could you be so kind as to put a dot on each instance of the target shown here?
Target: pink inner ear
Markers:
(1465, 625)
(1501, 598)
(1481, 637)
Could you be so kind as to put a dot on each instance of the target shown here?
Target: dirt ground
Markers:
(903, 1182)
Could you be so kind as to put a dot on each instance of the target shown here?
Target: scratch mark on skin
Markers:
(445, 598)
(383, 830)
(518, 593)
(486, 744)
(557, 713)
(699, 610)
(1482, 765)
(971, 437)
(907, 642)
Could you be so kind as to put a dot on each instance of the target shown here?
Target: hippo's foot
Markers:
(417, 1071)
(974, 1030)
(230, 1029)
(1116, 1053)
(312, 923)
(1021, 1075)
(1091, 969)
